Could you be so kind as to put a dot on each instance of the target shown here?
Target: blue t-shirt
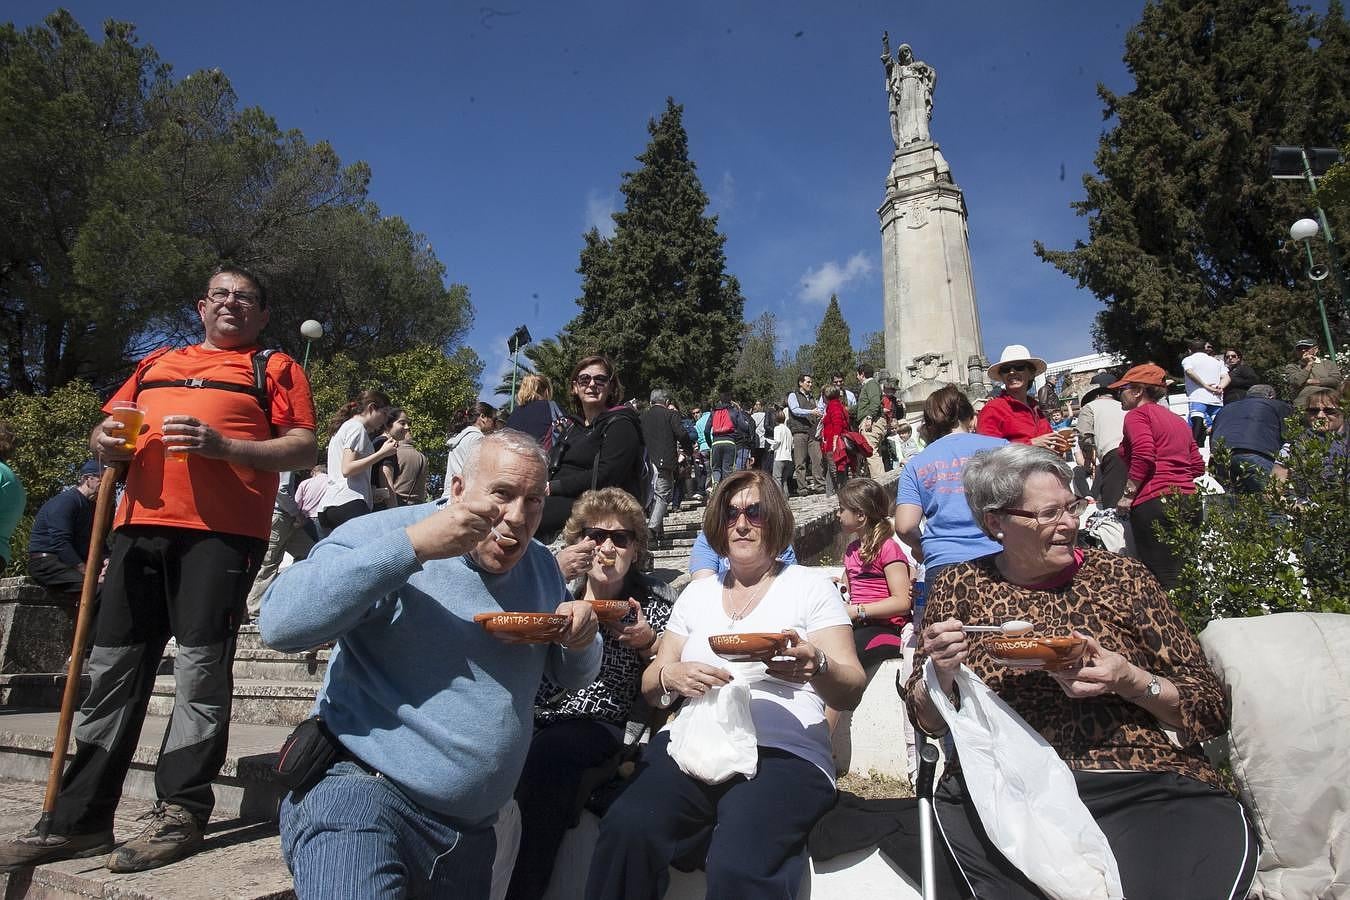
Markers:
(932, 481)
(703, 556)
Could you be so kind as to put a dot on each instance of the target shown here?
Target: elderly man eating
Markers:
(429, 714)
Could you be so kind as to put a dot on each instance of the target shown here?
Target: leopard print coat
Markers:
(1117, 601)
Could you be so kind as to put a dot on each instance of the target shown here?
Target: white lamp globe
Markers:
(1303, 229)
(312, 329)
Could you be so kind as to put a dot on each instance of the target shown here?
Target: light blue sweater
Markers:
(415, 687)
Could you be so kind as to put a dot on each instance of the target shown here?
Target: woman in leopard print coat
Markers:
(1128, 720)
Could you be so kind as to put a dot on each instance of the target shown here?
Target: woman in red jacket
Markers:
(1014, 415)
(1163, 462)
(832, 428)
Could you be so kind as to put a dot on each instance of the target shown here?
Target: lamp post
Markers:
(1308, 164)
(312, 330)
(519, 338)
(1305, 230)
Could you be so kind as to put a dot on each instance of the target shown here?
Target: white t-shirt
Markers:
(1210, 370)
(787, 716)
(783, 448)
(351, 436)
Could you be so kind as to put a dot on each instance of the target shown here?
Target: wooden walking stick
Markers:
(103, 510)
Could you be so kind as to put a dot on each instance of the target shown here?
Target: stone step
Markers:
(240, 860)
(256, 702)
(273, 665)
(246, 787)
(36, 690)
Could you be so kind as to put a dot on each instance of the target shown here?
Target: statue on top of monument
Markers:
(909, 85)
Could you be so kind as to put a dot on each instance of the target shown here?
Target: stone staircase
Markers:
(273, 691)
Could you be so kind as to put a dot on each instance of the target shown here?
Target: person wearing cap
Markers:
(1101, 428)
(1309, 373)
(1252, 429)
(1162, 462)
(1014, 415)
(663, 433)
(58, 545)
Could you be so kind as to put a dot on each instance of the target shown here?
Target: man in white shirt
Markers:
(1206, 377)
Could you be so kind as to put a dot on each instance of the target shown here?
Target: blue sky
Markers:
(502, 133)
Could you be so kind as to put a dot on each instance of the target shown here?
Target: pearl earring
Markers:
(999, 536)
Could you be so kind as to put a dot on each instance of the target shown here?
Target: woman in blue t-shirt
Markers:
(930, 487)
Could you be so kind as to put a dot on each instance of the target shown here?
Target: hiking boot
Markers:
(171, 834)
(31, 850)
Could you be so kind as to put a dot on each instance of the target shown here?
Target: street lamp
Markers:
(1305, 230)
(519, 338)
(1308, 164)
(312, 330)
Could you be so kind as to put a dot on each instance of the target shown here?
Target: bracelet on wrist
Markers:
(651, 643)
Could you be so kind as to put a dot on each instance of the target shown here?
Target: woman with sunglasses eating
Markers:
(1014, 415)
(1173, 827)
(580, 730)
(600, 447)
(754, 829)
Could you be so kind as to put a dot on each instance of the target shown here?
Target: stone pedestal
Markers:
(37, 626)
(932, 325)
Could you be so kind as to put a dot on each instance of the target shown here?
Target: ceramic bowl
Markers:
(610, 610)
(526, 627)
(751, 646)
(1027, 651)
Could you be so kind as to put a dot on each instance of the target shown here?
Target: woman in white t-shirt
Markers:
(756, 828)
(351, 456)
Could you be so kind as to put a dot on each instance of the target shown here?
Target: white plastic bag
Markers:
(713, 737)
(1026, 795)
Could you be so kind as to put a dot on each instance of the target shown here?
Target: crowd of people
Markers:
(427, 724)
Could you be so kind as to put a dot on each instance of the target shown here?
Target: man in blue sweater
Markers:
(417, 694)
(58, 544)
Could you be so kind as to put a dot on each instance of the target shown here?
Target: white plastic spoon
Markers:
(1013, 626)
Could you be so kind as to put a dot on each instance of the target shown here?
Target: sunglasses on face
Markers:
(1015, 367)
(585, 379)
(620, 538)
(754, 514)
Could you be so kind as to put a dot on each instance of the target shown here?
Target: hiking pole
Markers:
(923, 789)
(103, 510)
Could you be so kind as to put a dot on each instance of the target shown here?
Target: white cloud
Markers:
(600, 208)
(829, 278)
(723, 198)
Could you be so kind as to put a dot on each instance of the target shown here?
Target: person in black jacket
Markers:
(1240, 376)
(602, 447)
(662, 432)
(58, 544)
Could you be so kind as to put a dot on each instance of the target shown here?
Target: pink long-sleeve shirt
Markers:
(1159, 452)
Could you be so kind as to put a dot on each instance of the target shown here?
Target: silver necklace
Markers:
(739, 614)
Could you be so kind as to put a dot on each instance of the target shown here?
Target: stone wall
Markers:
(37, 627)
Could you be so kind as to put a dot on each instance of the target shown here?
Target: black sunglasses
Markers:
(586, 378)
(754, 513)
(1015, 367)
(621, 538)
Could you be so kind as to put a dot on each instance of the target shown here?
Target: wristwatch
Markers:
(1154, 689)
(822, 663)
(667, 696)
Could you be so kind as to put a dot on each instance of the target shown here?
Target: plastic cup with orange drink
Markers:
(130, 417)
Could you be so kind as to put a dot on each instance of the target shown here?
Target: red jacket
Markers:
(1013, 420)
(832, 426)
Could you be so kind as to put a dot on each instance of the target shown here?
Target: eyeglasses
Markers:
(1315, 412)
(1015, 367)
(220, 296)
(1051, 514)
(621, 538)
(754, 514)
(585, 378)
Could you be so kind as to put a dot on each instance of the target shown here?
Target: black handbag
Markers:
(306, 755)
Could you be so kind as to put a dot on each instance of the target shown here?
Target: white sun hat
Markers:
(1016, 353)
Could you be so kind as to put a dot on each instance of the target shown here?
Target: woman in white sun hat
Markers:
(1014, 415)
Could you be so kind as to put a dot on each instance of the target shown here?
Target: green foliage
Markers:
(873, 351)
(1188, 232)
(52, 443)
(431, 385)
(1284, 550)
(756, 374)
(120, 189)
(656, 297)
(833, 349)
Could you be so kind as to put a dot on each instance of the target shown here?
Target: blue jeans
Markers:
(357, 835)
(723, 461)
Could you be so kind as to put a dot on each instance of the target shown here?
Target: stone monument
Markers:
(931, 323)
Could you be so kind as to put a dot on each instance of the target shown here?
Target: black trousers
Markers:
(755, 830)
(1148, 521)
(547, 794)
(160, 582)
(50, 572)
(1172, 836)
(1112, 473)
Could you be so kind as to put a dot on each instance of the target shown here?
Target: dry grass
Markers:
(877, 787)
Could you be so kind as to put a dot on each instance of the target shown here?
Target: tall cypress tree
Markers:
(656, 296)
(833, 350)
(1188, 233)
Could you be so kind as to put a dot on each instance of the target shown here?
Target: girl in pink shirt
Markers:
(876, 572)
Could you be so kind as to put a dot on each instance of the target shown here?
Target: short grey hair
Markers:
(508, 439)
(994, 479)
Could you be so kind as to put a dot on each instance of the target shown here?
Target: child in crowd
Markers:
(782, 451)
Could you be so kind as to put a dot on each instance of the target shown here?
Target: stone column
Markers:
(931, 321)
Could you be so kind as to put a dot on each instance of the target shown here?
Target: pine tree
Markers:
(873, 351)
(833, 350)
(756, 376)
(656, 296)
(1188, 233)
